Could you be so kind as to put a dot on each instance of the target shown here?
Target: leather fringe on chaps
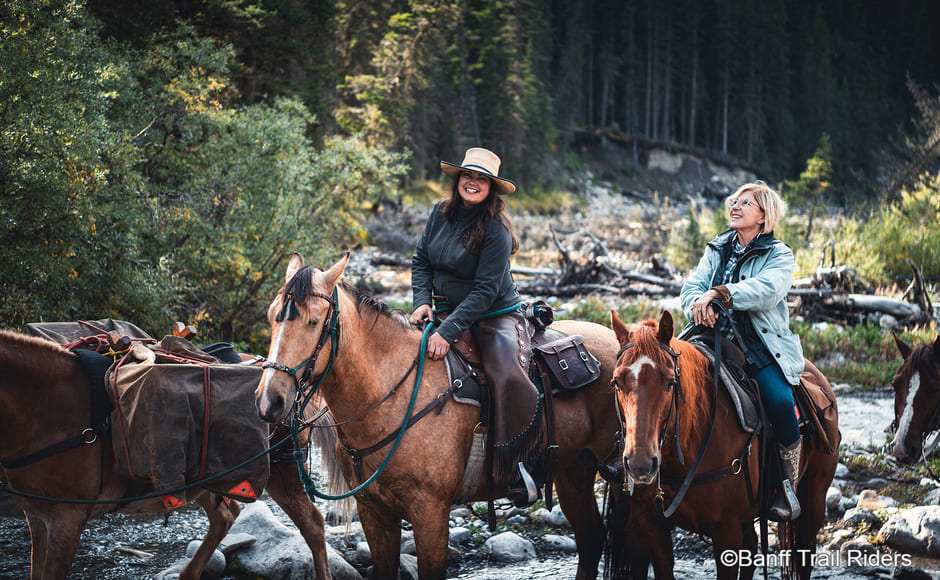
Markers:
(524, 447)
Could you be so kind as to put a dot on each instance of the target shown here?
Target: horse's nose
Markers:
(904, 454)
(270, 408)
(643, 471)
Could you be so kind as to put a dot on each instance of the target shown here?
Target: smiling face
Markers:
(473, 187)
(745, 214)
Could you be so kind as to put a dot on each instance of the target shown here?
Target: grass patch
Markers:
(863, 355)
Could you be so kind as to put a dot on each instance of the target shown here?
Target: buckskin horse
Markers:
(372, 349)
(916, 400)
(667, 400)
(45, 400)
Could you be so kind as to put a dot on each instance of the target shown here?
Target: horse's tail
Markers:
(789, 542)
(617, 559)
(324, 437)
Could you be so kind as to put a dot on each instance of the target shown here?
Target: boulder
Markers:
(280, 552)
(914, 531)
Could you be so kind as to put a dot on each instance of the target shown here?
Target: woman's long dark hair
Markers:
(491, 208)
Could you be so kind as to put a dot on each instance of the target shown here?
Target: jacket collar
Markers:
(762, 242)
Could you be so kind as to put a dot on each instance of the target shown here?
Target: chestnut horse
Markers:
(372, 349)
(916, 400)
(667, 400)
(45, 399)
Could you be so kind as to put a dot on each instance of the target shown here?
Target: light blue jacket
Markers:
(765, 277)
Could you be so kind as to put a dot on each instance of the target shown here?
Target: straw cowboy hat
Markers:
(482, 161)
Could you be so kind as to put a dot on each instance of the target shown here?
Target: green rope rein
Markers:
(309, 485)
(123, 500)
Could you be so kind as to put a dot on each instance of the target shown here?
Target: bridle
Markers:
(677, 395)
(674, 386)
(330, 330)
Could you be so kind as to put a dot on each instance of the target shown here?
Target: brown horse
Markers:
(666, 396)
(45, 399)
(424, 476)
(916, 400)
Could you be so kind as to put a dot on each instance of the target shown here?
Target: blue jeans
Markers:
(777, 396)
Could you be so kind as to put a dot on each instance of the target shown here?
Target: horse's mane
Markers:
(37, 355)
(693, 371)
(301, 288)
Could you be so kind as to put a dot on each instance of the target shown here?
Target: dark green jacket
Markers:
(473, 284)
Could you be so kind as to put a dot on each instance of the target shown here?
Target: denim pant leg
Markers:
(777, 396)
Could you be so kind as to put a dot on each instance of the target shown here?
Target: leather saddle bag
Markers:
(569, 364)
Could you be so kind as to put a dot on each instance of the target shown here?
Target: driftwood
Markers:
(589, 270)
(835, 294)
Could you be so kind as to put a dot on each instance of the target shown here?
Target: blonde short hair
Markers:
(769, 201)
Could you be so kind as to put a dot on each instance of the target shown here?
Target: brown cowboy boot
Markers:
(786, 506)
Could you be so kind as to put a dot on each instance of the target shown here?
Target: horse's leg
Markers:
(54, 542)
(726, 536)
(284, 487)
(750, 544)
(383, 532)
(431, 523)
(221, 517)
(812, 496)
(575, 488)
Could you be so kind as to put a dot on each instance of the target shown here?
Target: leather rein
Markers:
(675, 385)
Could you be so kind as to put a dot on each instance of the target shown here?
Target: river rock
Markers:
(235, 542)
(833, 497)
(280, 552)
(869, 499)
(560, 543)
(215, 567)
(459, 535)
(510, 547)
(857, 515)
(555, 518)
(914, 531)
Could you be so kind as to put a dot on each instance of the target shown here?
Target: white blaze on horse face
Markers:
(637, 367)
(263, 401)
(904, 423)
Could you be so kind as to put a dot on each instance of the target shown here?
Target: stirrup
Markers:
(524, 497)
(790, 510)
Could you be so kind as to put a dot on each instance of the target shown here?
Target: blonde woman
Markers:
(749, 272)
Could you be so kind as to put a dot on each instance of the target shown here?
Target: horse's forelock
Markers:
(647, 344)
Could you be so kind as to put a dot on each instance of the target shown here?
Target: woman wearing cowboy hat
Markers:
(461, 265)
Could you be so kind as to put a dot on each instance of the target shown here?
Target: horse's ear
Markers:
(295, 264)
(666, 327)
(902, 346)
(332, 275)
(620, 329)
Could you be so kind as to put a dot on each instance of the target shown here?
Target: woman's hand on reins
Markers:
(420, 314)
(702, 311)
(437, 346)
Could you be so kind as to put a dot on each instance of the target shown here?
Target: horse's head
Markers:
(644, 383)
(916, 399)
(301, 319)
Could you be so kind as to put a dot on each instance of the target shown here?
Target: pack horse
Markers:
(46, 402)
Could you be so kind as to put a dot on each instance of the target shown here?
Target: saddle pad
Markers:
(174, 424)
(745, 409)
